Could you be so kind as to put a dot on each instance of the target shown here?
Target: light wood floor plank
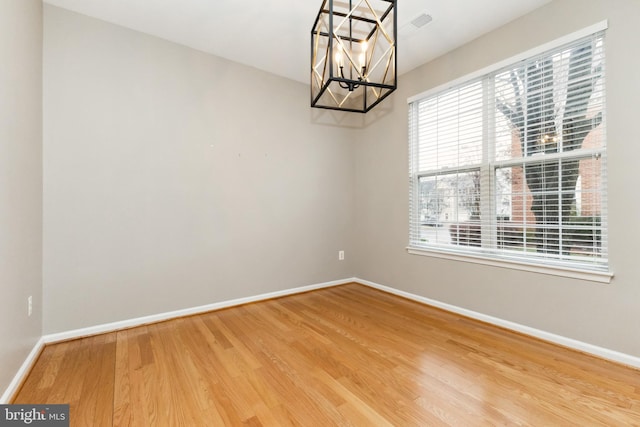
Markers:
(347, 356)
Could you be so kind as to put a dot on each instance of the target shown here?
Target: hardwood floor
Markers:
(348, 355)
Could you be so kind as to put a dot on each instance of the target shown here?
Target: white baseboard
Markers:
(604, 353)
(22, 373)
(139, 321)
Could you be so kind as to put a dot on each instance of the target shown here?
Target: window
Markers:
(511, 165)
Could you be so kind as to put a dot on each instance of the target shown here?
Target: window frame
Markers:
(488, 167)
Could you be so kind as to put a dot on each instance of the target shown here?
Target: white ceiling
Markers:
(274, 35)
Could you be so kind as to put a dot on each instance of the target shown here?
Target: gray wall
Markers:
(20, 181)
(175, 179)
(604, 315)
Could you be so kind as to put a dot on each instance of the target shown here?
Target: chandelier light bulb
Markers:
(362, 59)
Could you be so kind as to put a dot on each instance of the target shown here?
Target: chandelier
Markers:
(353, 54)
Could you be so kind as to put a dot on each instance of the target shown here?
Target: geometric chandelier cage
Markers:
(353, 54)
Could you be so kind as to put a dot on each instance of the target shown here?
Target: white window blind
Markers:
(512, 164)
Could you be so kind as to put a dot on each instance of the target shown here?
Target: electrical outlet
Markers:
(340, 255)
(29, 305)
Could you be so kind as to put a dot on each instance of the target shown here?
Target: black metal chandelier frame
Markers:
(327, 70)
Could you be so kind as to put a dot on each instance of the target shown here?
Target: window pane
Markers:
(450, 129)
(550, 208)
(550, 103)
(450, 209)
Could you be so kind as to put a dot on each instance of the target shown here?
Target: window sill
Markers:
(592, 276)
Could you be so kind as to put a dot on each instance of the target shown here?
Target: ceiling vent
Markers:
(414, 25)
(421, 20)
